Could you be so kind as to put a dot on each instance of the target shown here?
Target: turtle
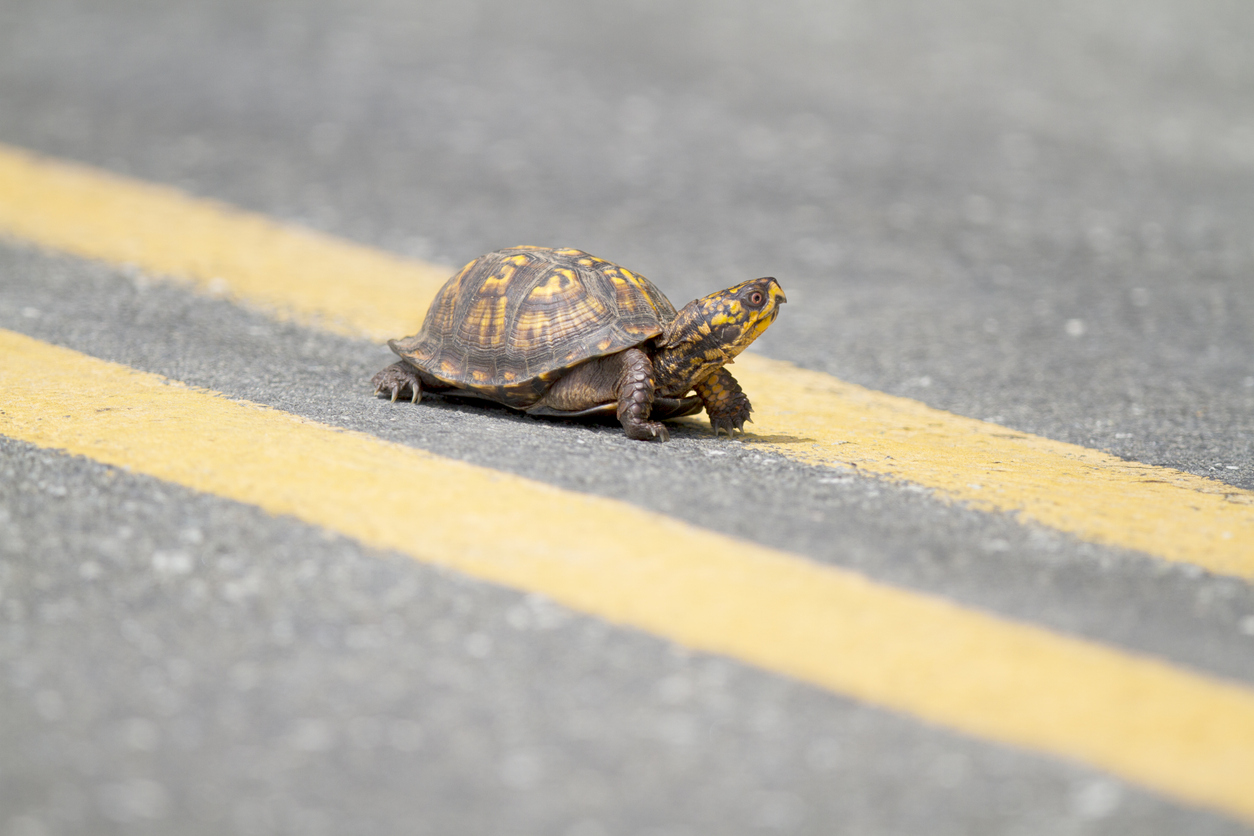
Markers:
(559, 332)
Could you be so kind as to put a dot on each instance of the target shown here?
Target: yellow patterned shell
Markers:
(512, 322)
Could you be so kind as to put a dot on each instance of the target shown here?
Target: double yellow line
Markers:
(811, 417)
(1187, 735)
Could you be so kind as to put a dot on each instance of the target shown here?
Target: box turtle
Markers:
(563, 333)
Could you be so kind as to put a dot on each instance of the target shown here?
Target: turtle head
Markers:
(729, 319)
(712, 330)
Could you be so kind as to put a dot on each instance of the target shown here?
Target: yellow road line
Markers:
(808, 416)
(1094, 495)
(1187, 735)
(313, 278)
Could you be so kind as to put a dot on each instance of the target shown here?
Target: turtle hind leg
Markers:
(725, 402)
(635, 398)
(399, 380)
(667, 408)
(621, 384)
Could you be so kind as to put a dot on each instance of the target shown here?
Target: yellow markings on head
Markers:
(758, 327)
(777, 294)
(729, 313)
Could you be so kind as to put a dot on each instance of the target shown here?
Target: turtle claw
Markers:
(729, 425)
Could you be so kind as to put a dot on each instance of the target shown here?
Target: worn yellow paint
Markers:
(1184, 734)
(317, 279)
(808, 416)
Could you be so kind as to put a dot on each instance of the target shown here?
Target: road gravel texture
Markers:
(1038, 216)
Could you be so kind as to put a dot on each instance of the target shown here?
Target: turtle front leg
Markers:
(398, 380)
(727, 405)
(635, 398)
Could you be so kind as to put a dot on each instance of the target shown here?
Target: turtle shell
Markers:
(512, 322)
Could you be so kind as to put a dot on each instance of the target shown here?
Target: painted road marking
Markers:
(296, 273)
(1094, 495)
(809, 416)
(1184, 734)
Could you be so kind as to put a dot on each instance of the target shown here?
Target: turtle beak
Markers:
(777, 297)
(777, 293)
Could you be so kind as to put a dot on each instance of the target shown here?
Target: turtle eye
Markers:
(756, 298)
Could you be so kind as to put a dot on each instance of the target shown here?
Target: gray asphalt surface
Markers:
(1042, 217)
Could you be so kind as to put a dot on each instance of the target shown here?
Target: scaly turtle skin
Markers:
(560, 332)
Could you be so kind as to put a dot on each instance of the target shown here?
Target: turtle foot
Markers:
(398, 380)
(648, 431)
(725, 403)
(729, 424)
(635, 398)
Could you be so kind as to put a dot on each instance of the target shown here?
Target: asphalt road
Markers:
(1037, 216)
